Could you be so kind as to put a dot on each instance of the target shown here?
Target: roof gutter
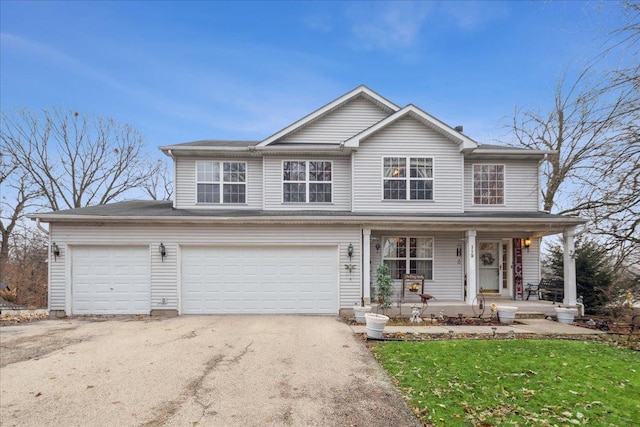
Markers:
(319, 219)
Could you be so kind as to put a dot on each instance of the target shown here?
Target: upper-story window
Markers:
(307, 181)
(488, 184)
(228, 179)
(416, 183)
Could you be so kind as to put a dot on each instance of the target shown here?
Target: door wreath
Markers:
(487, 258)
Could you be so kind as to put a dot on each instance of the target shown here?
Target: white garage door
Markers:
(287, 279)
(111, 280)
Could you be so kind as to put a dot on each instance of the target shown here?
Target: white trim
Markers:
(408, 258)
(221, 182)
(408, 179)
(306, 182)
(465, 143)
(360, 90)
(504, 186)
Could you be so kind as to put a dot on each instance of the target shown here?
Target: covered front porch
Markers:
(454, 261)
(451, 309)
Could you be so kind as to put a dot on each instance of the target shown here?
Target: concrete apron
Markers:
(194, 370)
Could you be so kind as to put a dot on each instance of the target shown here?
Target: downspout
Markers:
(40, 227)
(175, 183)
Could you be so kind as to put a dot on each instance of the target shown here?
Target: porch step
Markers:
(530, 315)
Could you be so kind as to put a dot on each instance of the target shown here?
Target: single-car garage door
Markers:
(280, 279)
(110, 280)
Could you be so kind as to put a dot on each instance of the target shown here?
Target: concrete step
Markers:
(530, 315)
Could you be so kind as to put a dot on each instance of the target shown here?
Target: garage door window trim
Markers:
(220, 182)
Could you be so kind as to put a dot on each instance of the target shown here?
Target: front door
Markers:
(489, 277)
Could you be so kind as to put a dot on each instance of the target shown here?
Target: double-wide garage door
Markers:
(110, 280)
(279, 279)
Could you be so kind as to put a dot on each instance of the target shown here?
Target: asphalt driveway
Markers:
(193, 370)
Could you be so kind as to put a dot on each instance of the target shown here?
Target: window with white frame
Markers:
(408, 255)
(488, 184)
(407, 178)
(307, 181)
(221, 182)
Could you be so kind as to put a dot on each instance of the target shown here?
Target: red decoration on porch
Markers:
(517, 270)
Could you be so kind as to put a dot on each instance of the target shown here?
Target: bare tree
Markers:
(593, 128)
(26, 269)
(160, 185)
(16, 196)
(76, 160)
(578, 128)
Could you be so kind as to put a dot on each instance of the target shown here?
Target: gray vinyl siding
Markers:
(521, 186)
(530, 263)
(341, 185)
(338, 125)
(407, 137)
(448, 274)
(185, 188)
(57, 296)
(165, 273)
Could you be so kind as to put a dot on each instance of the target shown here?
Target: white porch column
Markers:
(366, 265)
(470, 263)
(570, 288)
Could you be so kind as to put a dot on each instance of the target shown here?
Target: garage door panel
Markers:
(287, 279)
(110, 280)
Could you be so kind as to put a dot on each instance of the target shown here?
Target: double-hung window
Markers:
(221, 182)
(307, 181)
(488, 184)
(408, 178)
(408, 255)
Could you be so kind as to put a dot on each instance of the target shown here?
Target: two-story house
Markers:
(299, 222)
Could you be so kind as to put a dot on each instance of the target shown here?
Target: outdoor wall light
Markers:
(163, 251)
(55, 250)
(527, 243)
(350, 250)
(378, 247)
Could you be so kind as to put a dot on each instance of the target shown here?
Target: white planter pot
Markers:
(375, 324)
(360, 312)
(507, 313)
(566, 315)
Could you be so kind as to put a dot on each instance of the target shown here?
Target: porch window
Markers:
(409, 255)
(488, 184)
(416, 183)
(307, 181)
(214, 178)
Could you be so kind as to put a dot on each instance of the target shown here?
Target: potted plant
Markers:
(375, 321)
(360, 311)
(506, 313)
(566, 314)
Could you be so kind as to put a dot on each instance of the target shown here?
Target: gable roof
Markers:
(466, 144)
(360, 91)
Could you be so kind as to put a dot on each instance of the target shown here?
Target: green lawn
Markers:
(516, 382)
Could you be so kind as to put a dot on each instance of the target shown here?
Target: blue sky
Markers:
(184, 71)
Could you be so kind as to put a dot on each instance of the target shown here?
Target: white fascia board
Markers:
(299, 148)
(330, 106)
(506, 151)
(465, 143)
(539, 224)
(177, 149)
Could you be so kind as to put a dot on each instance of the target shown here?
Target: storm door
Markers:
(489, 274)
